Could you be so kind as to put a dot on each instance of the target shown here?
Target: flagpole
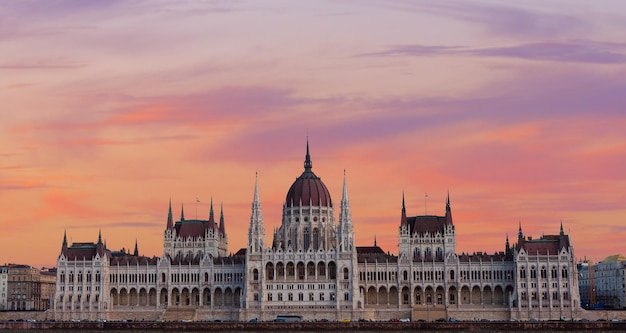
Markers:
(425, 207)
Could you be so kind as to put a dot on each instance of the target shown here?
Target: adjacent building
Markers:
(4, 278)
(29, 288)
(312, 267)
(602, 285)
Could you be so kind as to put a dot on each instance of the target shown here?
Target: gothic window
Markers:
(332, 270)
(533, 272)
(439, 253)
(255, 274)
(269, 297)
(300, 270)
(544, 272)
(427, 252)
(346, 273)
(300, 297)
(311, 296)
(451, 275)
(280, 297)
(310, 268)
(321, 296)
(405, 275)
(307, 239)
(564, 272)
(269, 268)
(290, 296)
(522, 273)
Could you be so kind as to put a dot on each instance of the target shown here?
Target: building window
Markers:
(290, 296)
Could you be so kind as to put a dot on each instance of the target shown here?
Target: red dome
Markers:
(308, 189)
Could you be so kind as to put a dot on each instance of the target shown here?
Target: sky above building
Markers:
(110, 108)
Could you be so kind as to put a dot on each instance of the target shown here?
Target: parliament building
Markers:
(313, 268)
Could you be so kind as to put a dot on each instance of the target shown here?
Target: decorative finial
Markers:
(307, 161)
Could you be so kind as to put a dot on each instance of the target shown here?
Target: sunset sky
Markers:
(110, 108)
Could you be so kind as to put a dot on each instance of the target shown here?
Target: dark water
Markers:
(493, 329)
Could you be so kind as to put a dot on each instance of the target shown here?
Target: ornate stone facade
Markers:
(313, 268)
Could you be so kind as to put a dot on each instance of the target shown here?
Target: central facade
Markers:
(312, 268)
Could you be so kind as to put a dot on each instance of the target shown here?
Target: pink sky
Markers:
(109, 108)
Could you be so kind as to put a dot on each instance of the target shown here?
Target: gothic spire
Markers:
(136, 253)
(182, 212)
(256, 231)
(64, 246)
(507, 243)
(170, 220)
(448, 210)
(222, 226)
(99, 236)
(345, 215)
(211, 217)
(520, 235)
(256, 201)
(561, 233)
(403, 221)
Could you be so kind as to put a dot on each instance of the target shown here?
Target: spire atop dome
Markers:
(308, 189)
(308, 165)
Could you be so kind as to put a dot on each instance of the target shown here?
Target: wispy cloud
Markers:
(577, 51)
(497, 18)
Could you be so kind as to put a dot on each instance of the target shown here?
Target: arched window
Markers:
(255, 274)
(307, 239)
(405, 275)
(345, 273)
(451, 275)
